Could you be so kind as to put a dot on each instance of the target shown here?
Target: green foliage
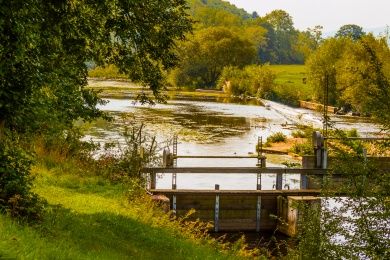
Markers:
(322, 69)
(91, 218)
(281, 39)
(308, 41)
(16, 197)
(195, 5)
(298, 134)
(44, 52)
(352, 31)
(305, 148)
(277, 138)
(107, 72)
(356, 74)
(252, 80)
(208, 52)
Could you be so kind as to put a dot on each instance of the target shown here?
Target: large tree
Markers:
(353, 31)
(208, 52)
(281, 38)
(44, 47)
(356, 74)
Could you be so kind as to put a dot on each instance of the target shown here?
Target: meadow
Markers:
(89, 217)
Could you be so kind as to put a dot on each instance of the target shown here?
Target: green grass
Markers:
(89, 218)
(290, 75)
(108, 72)
(290, 86)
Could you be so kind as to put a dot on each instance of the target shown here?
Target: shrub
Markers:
(16, 197)
(298, 134)
(108, 72)
(252, 80)
(276, 138)
(301, 149)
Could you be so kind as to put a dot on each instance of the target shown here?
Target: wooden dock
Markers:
(256, 210)
(248, 210)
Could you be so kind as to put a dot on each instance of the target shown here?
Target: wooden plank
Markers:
(203, 215)
(234, 170)
(264, 150)
(239, 192)
(245, 225)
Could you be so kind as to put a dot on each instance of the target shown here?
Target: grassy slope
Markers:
(289, 88)
(89, 218)
(290, 78)
(289, 74)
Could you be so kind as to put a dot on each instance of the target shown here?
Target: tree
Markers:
(44, 48)
(356, 74)
(282, 36)
(353, 31)
(210, 50)
(253, 80)
(365, 78)
(308, 41)
(322, 69)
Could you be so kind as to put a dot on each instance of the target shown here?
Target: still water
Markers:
(214, 128)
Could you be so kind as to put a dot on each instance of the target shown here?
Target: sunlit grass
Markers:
(89, 218)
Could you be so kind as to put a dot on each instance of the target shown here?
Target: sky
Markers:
(331, 14)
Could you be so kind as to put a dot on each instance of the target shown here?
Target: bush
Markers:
(276, 138)
(298, 134)
(107, 72)
(252, 80)
(301, 149)
(16, 197)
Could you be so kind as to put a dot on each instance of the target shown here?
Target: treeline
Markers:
(227, 36)
(352, 71)
(230, 49)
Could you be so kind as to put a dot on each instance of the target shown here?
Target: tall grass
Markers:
(90, 215)
(91, 218)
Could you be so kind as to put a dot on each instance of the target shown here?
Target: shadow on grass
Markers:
(110, 236)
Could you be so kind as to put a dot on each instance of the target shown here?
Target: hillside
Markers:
(218, 4)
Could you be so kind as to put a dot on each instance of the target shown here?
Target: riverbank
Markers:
(87, 217)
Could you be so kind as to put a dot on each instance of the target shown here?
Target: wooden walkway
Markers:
(247, 210)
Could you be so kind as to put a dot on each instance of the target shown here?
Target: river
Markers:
(215, 128)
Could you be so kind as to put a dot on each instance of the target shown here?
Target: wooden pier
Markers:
(238, 210)
(247, 210)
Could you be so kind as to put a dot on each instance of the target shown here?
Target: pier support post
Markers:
(153, 179)
(216, 210)
(279, 181)
(258, 213)
(291, 210)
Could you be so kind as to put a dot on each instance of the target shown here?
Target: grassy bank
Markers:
(88, 217)
(290, 86)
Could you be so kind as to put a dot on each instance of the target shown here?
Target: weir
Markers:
(247, 210)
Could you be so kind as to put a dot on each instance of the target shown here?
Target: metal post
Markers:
(153, 180)
(258, 186)
(174, 151)
(303, 181)
(279, 181)
(259, 149)
(174, 164)
(216, 210)
(174, 177)
(258, 213)
(174, 204)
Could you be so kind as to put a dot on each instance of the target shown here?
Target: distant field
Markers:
(290, 75)
(291, 86)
